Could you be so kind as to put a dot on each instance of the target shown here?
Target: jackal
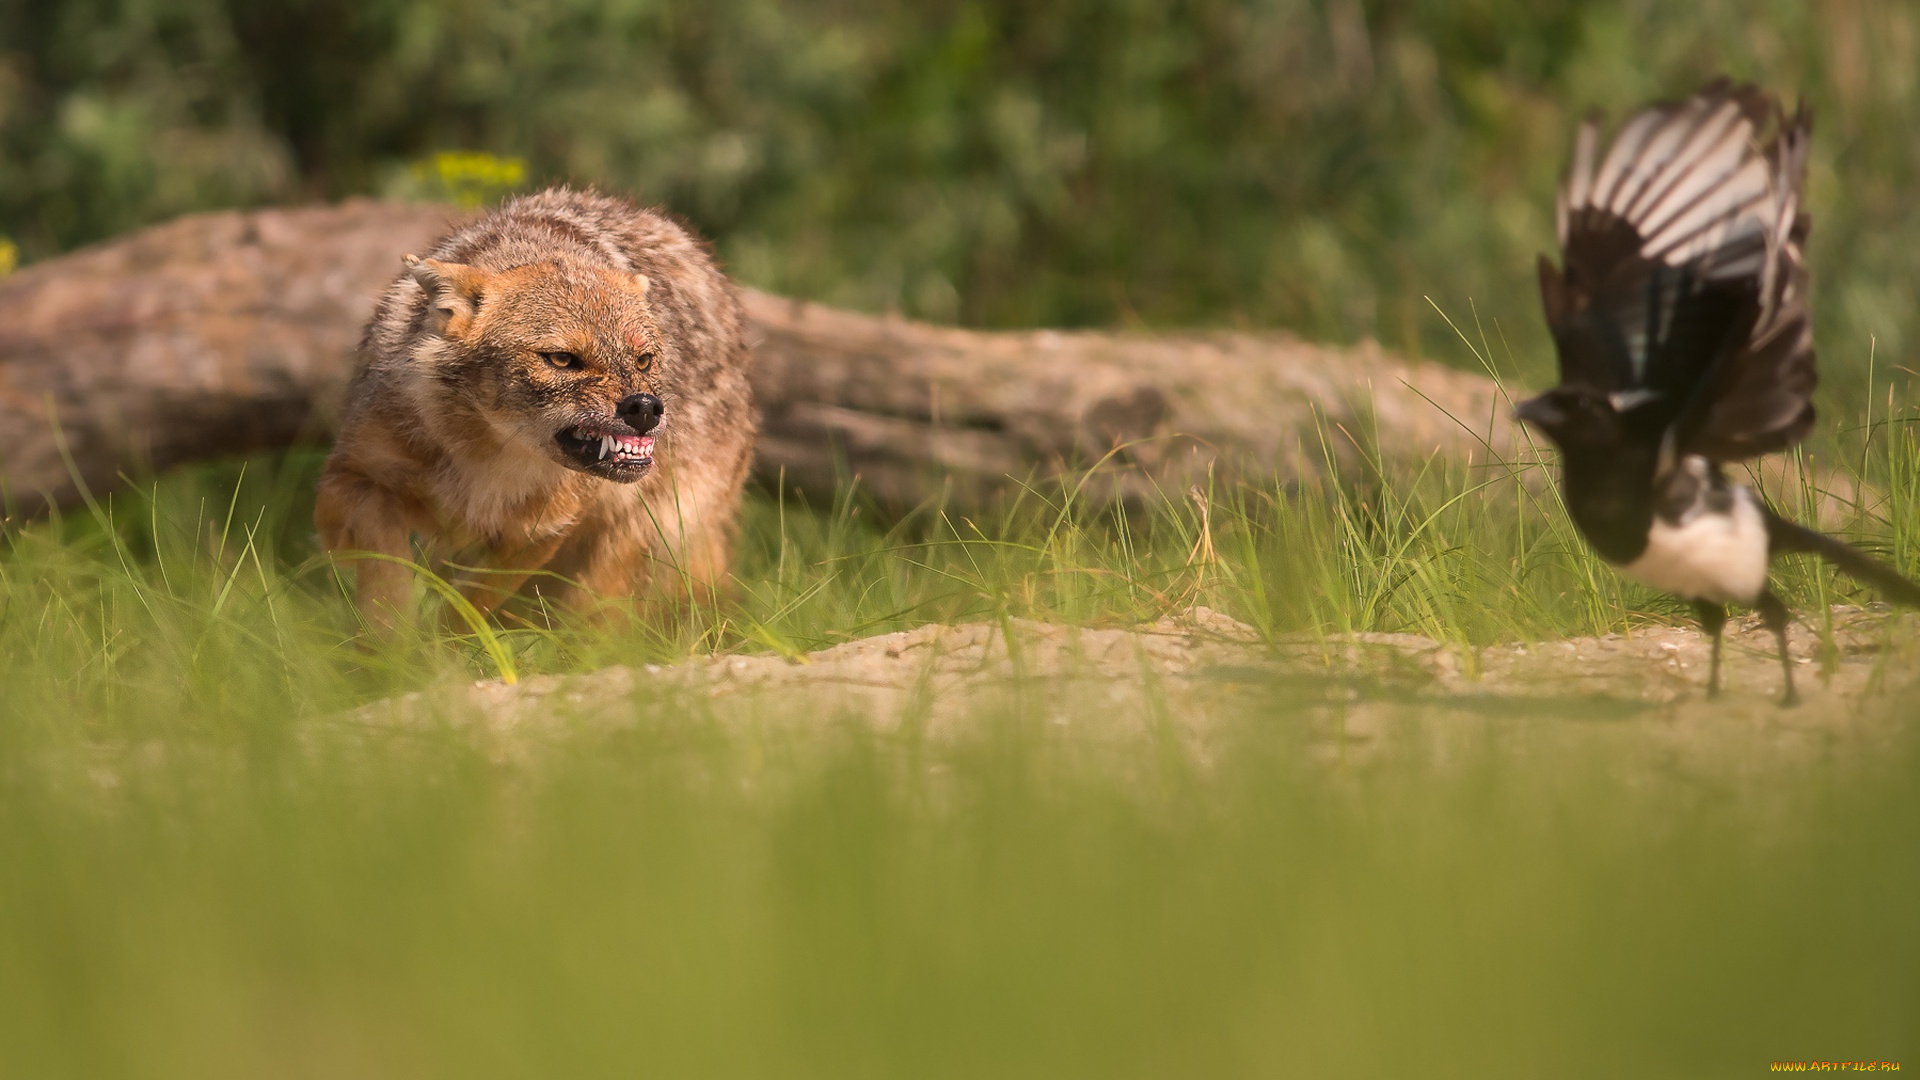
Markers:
(559, 385)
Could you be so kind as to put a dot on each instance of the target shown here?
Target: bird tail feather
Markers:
(1784, 536)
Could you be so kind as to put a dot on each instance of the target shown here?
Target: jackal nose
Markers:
(641, 412)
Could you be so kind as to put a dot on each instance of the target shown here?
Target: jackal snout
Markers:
(619, 448)
(642, 412)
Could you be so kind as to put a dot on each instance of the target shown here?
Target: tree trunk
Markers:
(911, 407)
(231, 332)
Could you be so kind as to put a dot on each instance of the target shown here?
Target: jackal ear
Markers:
(453, 292)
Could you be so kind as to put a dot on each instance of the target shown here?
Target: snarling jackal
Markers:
(556, 392)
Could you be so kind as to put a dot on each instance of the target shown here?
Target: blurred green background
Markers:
(209, 869)
(1319, 166)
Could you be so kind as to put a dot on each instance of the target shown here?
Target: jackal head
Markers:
(559, 355)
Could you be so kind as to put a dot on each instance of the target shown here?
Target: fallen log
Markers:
(232, 332)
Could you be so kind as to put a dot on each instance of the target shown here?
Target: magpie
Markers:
(1681, 321)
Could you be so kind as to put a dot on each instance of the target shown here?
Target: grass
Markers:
(205, 872)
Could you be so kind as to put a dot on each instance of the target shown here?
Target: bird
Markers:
(1681, 321)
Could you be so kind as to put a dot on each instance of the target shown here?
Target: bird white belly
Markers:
(1719, 558)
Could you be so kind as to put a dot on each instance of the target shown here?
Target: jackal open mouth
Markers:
(614, 455)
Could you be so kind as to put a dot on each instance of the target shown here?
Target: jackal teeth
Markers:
(606, 446)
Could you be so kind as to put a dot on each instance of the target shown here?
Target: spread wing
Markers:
(1684, 290)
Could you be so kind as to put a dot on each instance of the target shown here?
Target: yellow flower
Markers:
(469, 178)
(9, 256)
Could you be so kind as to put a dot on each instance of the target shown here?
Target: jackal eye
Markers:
(565, 361)
(644, 361)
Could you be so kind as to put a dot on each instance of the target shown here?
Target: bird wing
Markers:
(1761, 398)
(1684, 289)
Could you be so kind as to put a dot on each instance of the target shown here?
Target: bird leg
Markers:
(1713, 619)
(1774, 614)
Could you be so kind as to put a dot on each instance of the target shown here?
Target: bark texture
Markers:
(231, 332)
(911, 407)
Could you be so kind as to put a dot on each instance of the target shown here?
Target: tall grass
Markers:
(206, 585)
(206, 871)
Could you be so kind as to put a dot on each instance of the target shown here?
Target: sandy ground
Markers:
(1189, 677)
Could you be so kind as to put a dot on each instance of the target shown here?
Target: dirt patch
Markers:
(1182, 675)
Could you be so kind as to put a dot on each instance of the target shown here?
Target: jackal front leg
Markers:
(508, 566)
(356, 515)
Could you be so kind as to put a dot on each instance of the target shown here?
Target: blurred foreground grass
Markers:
(663, 898)
(205, 871)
